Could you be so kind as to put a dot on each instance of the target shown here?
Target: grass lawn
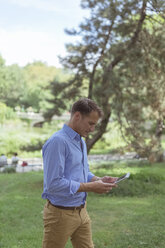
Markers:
(119, 220)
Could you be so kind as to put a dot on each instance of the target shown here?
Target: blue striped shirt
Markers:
(65, 167)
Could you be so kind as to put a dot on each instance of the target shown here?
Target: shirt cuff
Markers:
(74, 186)
(90, 175)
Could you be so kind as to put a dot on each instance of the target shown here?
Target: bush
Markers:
(35, 144)
(9, 170)
(138, 186)
(145, 179)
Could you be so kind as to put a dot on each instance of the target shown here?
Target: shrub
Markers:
(35, 144)
(9, 170)
(145, 179)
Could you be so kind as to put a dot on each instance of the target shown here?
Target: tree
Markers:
(58, 99)
(109, 37)
(15, 81)
(12, 83)
(25, 86)
(3, 84)
(6, 113)
(141, 112)
(37, 75)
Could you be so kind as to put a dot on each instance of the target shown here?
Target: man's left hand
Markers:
(107, 179)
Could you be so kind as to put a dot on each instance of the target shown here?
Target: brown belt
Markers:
(68, 208)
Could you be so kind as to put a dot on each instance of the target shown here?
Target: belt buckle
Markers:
(77, 208)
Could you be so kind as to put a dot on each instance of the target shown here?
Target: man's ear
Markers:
(77, 115)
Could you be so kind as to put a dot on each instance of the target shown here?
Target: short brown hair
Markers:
(85, 106)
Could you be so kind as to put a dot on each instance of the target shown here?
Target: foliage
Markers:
(57, 100)
(111, 141)
(120, 46)
(141, 112)
(6, 113)
(18, 136)
(12, 84)
(13, 134)
(2, 78)
(25, 87)
(37, 76)
(145, 179)
(9, 170)
(35, 144)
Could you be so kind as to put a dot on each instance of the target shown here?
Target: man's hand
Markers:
(101, 187)
(107, 179)
(97, 187)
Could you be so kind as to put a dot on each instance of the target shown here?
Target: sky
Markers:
(32, 30)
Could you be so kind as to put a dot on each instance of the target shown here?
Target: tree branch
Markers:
(98, 60)
(105, 99)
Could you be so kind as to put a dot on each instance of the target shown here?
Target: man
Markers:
(3, 160)
(67, 178)
(15, 160)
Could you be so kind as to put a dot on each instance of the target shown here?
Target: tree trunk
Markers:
(101, 129)
(157, 156)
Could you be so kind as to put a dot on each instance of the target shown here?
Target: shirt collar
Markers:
(72, 134)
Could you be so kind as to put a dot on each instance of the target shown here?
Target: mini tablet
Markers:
(122, 177)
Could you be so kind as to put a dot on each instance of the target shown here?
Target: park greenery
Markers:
(19, 135)
(118, 60)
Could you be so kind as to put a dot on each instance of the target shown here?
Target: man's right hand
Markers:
(96, 187)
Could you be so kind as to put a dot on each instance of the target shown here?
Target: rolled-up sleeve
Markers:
(90, 175)
(54, 155)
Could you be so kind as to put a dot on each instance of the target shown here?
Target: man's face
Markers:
(87, 123)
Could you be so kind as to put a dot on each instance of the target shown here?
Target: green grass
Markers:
(128, 222)
(21, 210)
(120, 220)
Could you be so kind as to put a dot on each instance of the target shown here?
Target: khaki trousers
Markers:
(60, 224)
